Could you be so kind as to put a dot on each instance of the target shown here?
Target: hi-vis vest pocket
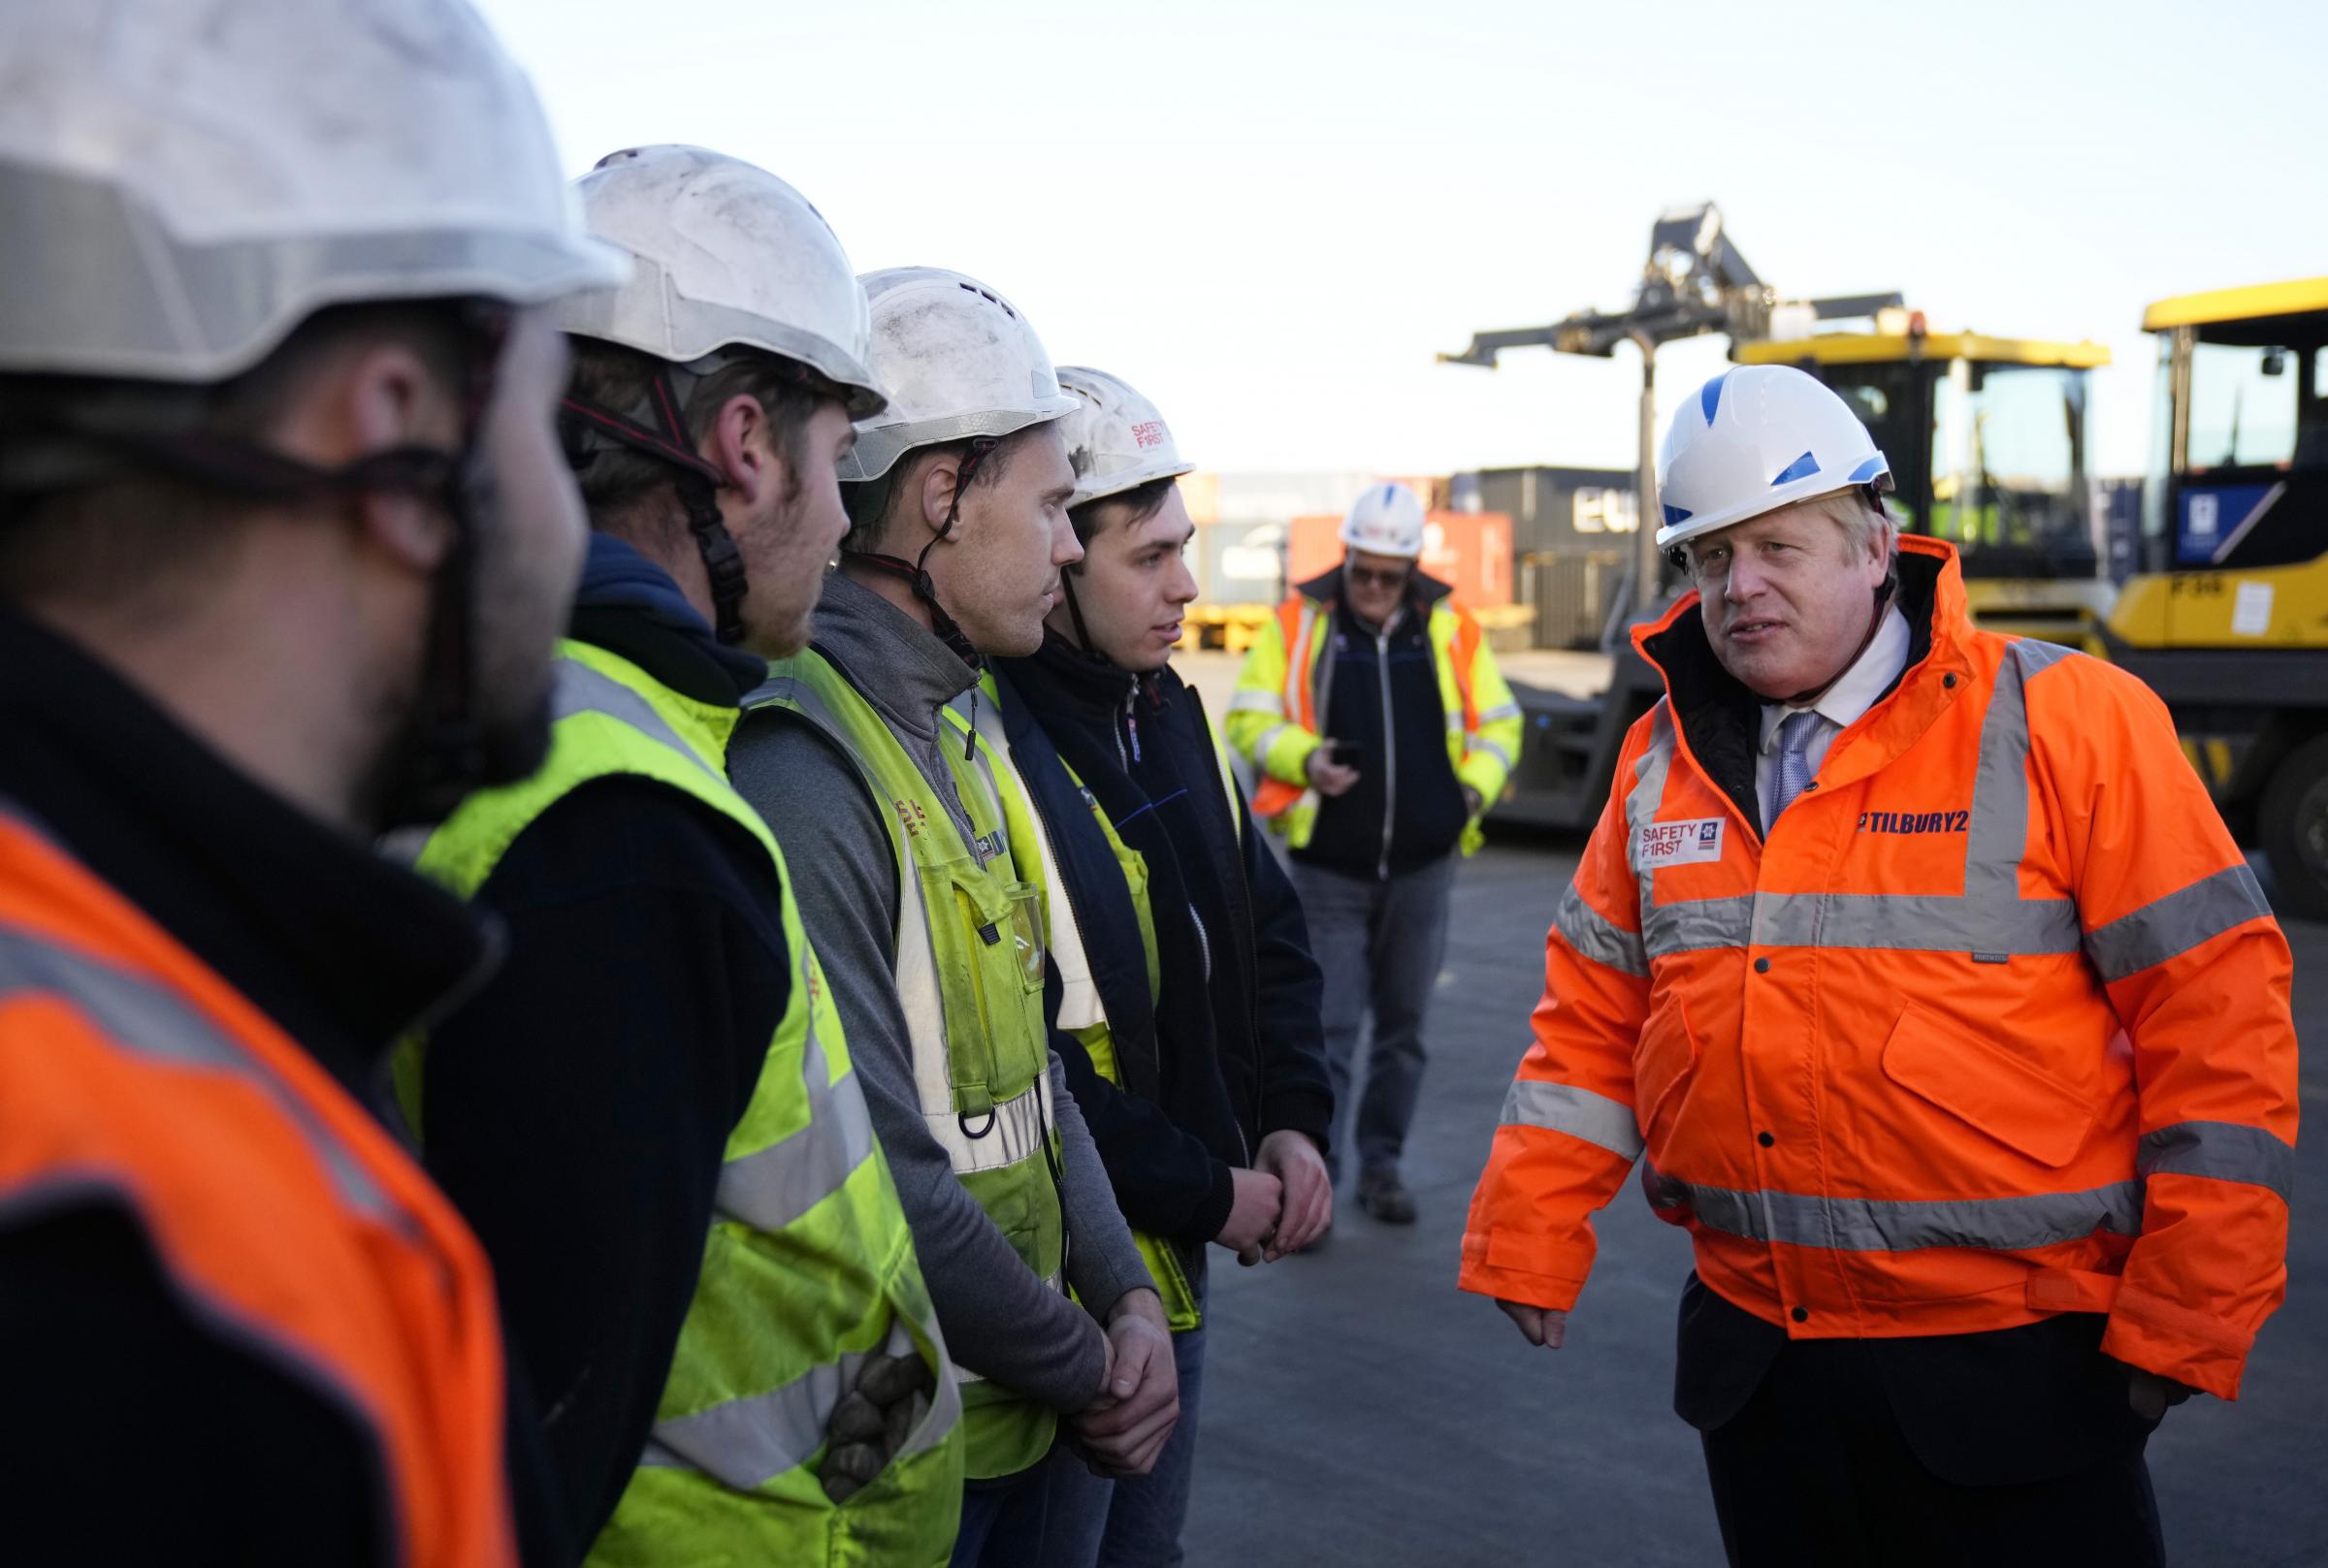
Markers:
(2003, 1095)
(1664, 1062)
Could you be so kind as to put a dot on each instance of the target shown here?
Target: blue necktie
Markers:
(1794, 733)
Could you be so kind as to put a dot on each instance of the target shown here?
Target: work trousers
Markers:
(1815, 1472)
(1134, 1524)
(1007, 1521)
(1380, 943)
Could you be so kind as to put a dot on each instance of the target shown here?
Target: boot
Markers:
(1382, 1195)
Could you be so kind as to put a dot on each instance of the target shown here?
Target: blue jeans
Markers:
(1007, 1520)
(1098, 1524)
(1381, 944)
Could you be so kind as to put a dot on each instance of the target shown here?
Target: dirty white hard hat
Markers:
(1387, 520)
(1117, 440)
(957, 360)
(1753, 439)
(724, 255)
(186, 180)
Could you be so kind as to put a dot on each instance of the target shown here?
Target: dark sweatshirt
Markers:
(137, 1431)
(1406, 809)
(578, 1106)
(1229, 1050)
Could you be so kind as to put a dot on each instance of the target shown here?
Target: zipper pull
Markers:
(1131, 717)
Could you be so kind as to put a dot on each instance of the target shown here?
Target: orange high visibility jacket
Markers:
(272, 1200)
(1995, 1025)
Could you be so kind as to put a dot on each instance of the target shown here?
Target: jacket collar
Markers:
(1710, 704)
(897, 663)
(630, 606)
(342, 949)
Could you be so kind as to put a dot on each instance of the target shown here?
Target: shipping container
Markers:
(1553, 509)
(1572, 593)
(1470, 550)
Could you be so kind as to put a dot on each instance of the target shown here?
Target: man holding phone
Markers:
(1379, 746)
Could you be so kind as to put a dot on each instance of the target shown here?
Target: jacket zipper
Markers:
(1390, 747)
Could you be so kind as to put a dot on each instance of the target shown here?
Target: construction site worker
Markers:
(1953, 1025)
(276, 397)
(1186, 1011)
(649, 1114)
(1380, 729)
(929, 918)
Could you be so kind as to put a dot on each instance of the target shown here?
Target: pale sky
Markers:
(1269, 217)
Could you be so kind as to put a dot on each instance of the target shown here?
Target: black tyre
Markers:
(2293, 826)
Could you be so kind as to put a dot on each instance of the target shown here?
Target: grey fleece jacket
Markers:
(999, 1319)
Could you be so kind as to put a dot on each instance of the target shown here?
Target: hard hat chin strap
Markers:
(698, 483)
(915, 571)
(442, 750)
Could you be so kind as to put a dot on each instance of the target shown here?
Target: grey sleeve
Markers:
(1000, 1321)
(1102, 1260)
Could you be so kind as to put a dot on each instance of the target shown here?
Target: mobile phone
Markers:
(1342, 754)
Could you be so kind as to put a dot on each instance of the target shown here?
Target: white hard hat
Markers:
(1387, 520)
(1117, 440)
(185, 182)
(957, 359)
(724, 255)
(1753, 439)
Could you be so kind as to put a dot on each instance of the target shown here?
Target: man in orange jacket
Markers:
(286, 538)
(1952, 1022)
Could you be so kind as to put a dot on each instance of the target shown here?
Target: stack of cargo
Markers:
(1572, 531)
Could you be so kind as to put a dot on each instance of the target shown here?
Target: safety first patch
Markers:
(1678, 844)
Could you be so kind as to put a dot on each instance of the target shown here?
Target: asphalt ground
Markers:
(1359, 1410)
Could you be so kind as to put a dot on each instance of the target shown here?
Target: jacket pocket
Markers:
(1664, 1063)
(1981, 1083)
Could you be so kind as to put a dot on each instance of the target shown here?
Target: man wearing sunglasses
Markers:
(1378, 748)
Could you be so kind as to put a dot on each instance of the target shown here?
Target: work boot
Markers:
(1381, 1194)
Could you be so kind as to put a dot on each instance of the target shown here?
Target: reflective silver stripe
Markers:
(1480, 742)
(1501, 711)
(2171, 926)
(1261, 745)
(747, 1442)
(770, 1188)
(1989, 917)
(2226, 1151)
(1648, 789)
(1695, 925)
(577, 688)
(1888, 1225)
(1915, 922)
(1599, 939)
(1013, 1131)
(149, 1019)
(1252, 701)
(1580, 1113)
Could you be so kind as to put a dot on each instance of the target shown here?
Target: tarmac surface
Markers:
(1359, 1410)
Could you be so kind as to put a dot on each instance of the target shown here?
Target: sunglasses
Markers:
(1369, 577)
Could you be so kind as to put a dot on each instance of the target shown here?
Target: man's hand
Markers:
(1124, 1430)
(1253, 1213)
(1309, 1203)
(1474, 803)
(1326, 776)
(1539, 1326)
(2152, 1394)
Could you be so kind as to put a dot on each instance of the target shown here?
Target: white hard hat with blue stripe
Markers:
(1386, 519)
(1753, 439)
